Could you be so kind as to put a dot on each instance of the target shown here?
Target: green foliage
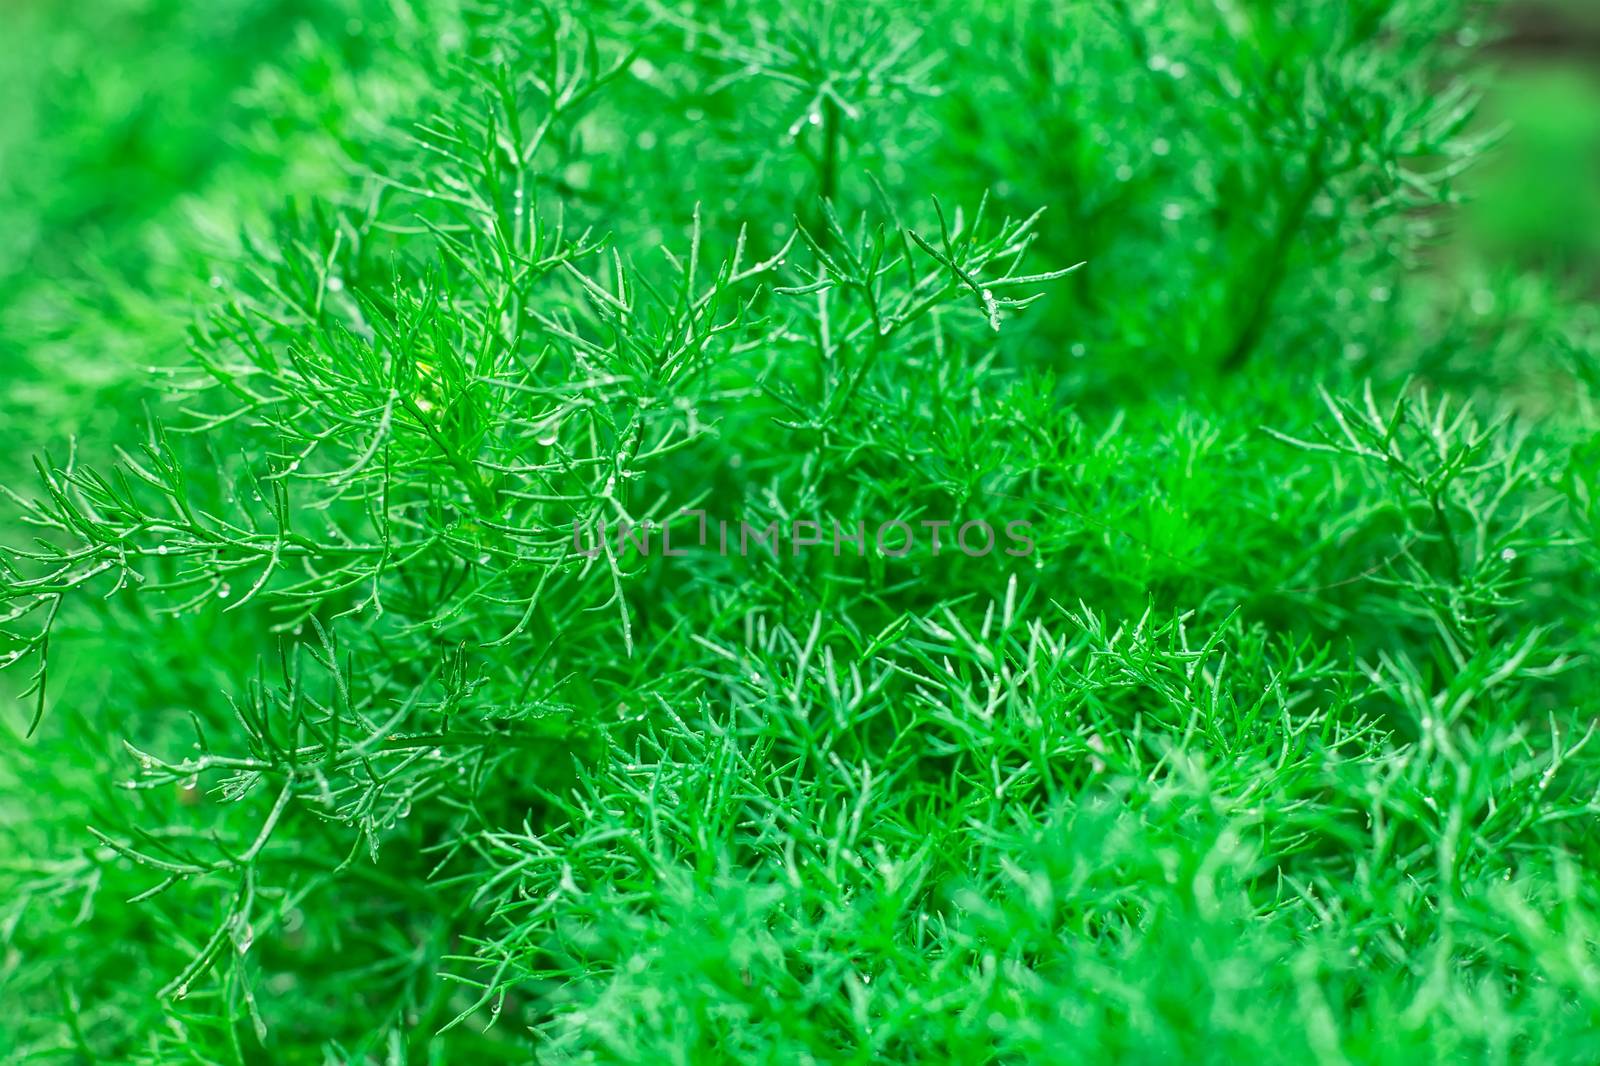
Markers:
(1272, 747)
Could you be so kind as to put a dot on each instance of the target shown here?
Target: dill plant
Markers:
(1275, 747)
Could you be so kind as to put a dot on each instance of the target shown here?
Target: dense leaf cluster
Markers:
(1274, 747)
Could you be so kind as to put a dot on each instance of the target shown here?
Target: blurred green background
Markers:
(1534, 203)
